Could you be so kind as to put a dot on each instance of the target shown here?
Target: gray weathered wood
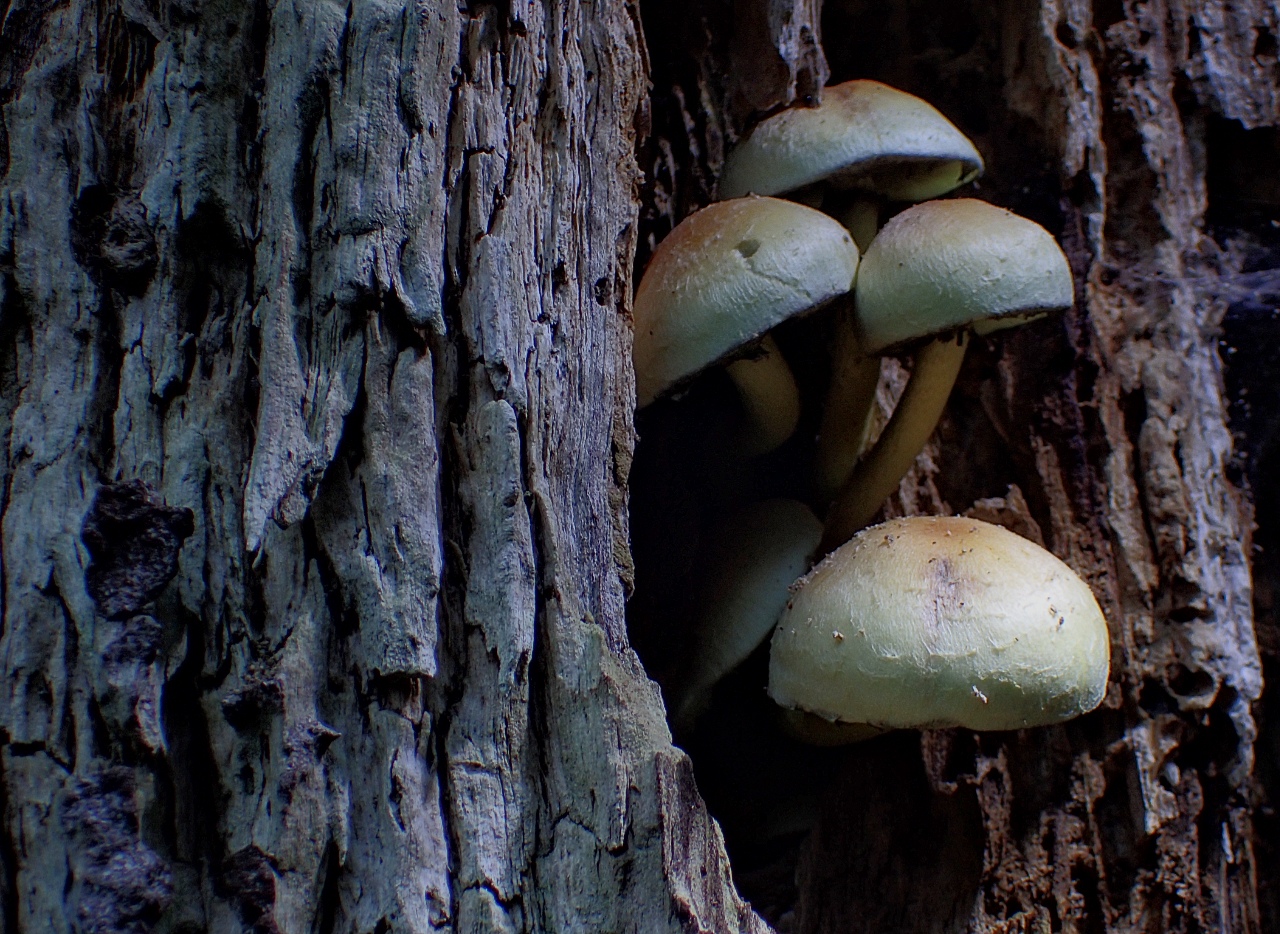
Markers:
(351, 283)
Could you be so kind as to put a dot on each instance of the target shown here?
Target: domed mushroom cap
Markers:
(725, 276)
(864, 135)
(933, 622)
(957, 263)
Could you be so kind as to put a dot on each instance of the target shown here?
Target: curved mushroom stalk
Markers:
(870, 142)
(937, 268)
(769, 396)
(877, 474)
(846, 416)
(755, 558)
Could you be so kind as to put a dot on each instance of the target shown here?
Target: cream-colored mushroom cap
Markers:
(957, 263)
(728, 274)
(932, 622)
(863, 135)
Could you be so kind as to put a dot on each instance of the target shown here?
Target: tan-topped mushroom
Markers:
(884, 144)
(866, 136)
(940, 268)
(936, 622)
(715, 287)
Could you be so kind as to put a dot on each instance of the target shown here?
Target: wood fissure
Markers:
(1104, 122)
(350, 283)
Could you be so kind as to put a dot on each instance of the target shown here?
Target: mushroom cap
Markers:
(863, 135)
(958, 263)
(725, 276)
(934, 622)
(755, 557)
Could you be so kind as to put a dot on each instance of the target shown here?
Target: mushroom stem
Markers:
(753, 560)
(846, 416)
(769, 395)
(880, 471)
(812, 729)
(862, 220)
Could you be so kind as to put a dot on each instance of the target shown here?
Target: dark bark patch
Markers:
(139, 641)
(248, 879)
(127, 40)
(112, 239)
(254, 703)
(129, 688)
(133, 540)
(119, 885)
(21, 33)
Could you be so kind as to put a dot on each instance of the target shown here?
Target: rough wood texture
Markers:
(1133, 131)
(716, 67)
(349, 284)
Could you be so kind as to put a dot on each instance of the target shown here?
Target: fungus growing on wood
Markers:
(865, 136)
(938, 270)
(715, 287)
(753, 560)
(884, 144)
(937, 622)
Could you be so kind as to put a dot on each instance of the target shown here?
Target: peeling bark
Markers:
(349, 284)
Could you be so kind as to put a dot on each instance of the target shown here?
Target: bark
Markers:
(1141, 135)
(316, 409)
(317, 422)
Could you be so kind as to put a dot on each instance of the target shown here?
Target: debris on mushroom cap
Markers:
(957, 263)
(725, 276)
(864, 135)
(946, 622)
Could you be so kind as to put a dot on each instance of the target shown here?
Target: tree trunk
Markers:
(1144, 136)
(316, 392)
(317, 401)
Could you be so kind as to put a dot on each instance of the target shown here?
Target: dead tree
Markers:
(317, 411)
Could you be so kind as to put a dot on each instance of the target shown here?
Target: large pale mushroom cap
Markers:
(931, 622)
(864, 135)
(728, 274)
(957, 263)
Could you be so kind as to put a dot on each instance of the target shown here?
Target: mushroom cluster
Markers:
(917, 622)
(718, 284)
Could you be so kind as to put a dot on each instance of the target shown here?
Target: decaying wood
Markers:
(715, 67)
(349, 284)
(1107, 432)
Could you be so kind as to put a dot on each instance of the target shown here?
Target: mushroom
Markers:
(881, 142)
(715, 287)
(939, 622)
(865, 136)
(753, 560)
(940, 269)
